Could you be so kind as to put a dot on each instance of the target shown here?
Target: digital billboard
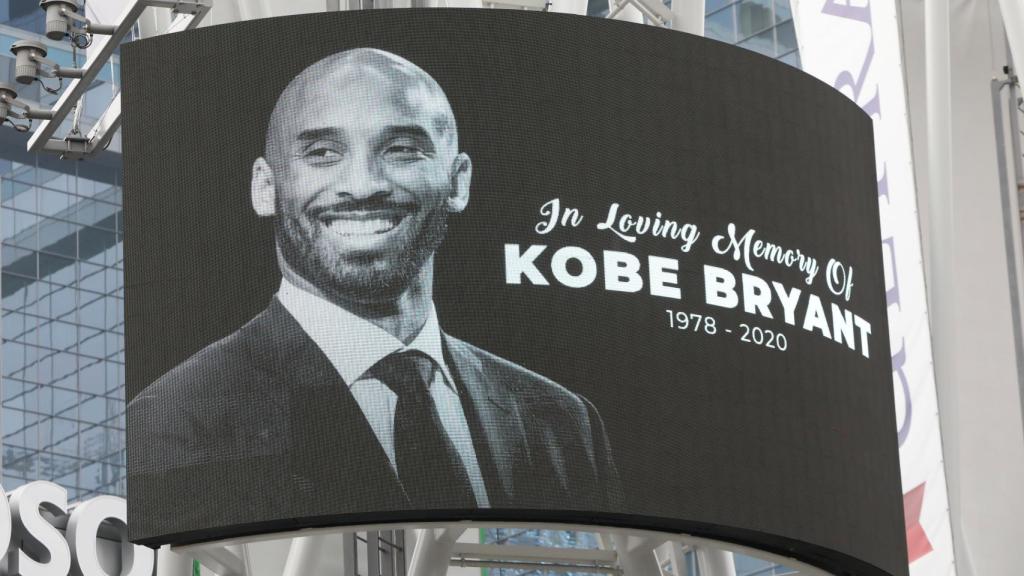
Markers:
(418, 265)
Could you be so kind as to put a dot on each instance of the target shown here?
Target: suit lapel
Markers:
(334, 445)
(494, 420)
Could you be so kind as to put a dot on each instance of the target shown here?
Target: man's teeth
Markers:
(347, 227)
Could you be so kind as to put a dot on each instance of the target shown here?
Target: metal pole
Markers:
(302, 555)
(715, 562)
(1013, 23)
(170, 563)
(939, 112)
(941, 273)
(325, 553)
(688, 16)
(636, 554)
(1011, 223)
(677, 556)
(433, 551)
(536, 566)
(1015, 137)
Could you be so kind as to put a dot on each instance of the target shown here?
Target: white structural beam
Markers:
(624, 10)
(518, 4)
(223, 560)
(638, 10)
(433, 550)
(969, 276)
(715, 562)
(322, 553)
(674, 552)
(688, 16)
(172, 562)
(511, 553)
(636, 553)
(539, 558)
(1013, 21)
(303, 554)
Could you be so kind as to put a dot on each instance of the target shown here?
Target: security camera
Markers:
(63, 19)
(27, 56)
(11, 107)
(30, 64)
(57, 22)
(7, 95)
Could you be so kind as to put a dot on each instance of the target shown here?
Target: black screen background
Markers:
(794, 452)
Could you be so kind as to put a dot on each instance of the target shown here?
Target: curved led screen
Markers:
(396, 266)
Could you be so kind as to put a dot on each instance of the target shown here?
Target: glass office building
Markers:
(62, 286)
(764, 26)
(62, 282)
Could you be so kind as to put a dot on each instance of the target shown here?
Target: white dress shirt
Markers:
(353, 345)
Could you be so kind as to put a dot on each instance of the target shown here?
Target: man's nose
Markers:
(363, 178)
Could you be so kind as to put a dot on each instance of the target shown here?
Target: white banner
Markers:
(854, 46)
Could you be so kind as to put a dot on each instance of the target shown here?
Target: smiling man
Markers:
(345, 396)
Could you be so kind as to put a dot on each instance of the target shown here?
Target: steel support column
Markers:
(715, 562)
(636, 554)
(688, 16)
(169, 562)
(433, 551)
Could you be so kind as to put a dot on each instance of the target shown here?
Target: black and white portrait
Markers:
(345, 393)
(400, 267)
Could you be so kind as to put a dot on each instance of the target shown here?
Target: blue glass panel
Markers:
(785, 35)
(753, 16)
(93, 410)
(762, 43)
(91, 376)
(782, 10)
(721, 25)
(793, 59)
(713, 5)
(18, 261)
(91, 342)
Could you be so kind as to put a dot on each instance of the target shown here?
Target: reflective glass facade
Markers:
(63, 321)
(764, 26)
(62, 286)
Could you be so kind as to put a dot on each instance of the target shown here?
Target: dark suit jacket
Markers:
(259, 429)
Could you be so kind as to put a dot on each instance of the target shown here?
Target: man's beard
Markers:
(371, 278)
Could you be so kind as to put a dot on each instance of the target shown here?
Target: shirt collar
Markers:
(352, 344)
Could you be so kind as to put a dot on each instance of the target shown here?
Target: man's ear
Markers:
(462, 173)
(262, 188)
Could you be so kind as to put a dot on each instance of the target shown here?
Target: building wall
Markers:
(970, 265)
(764, 26)
(62, 384)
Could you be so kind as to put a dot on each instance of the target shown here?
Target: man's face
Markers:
(364, 170)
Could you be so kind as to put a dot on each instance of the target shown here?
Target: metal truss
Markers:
(654, 10)
(188, 14)
(432, 549)
(685, 15)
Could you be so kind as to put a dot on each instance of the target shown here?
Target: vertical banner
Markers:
(855, 47)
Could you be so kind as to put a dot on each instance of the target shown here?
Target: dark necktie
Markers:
(428, 465)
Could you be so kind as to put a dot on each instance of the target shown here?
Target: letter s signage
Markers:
(32, 540)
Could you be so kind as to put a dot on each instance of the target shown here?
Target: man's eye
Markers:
(405, 151)
(322, 154)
